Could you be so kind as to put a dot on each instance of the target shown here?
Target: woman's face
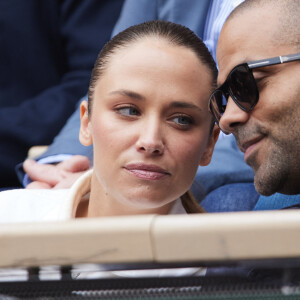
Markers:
(150, 124)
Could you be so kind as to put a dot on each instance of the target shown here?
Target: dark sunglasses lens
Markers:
(243, 87)
(218, 104)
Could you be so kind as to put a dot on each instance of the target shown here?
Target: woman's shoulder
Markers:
(31, 205)
(30, 194)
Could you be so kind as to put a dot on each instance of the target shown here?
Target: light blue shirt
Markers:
(218, 12)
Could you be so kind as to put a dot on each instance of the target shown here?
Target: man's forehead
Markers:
(243, 38)
(229, 54)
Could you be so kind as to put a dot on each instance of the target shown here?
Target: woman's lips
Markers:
(146, 171)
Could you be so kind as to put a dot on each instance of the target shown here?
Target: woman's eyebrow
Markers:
(183, 104)
(129, 94)
(136, 96)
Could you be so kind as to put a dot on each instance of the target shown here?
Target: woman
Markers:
(149, 122)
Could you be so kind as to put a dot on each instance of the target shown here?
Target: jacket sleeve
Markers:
(136, 12)
(67, 141)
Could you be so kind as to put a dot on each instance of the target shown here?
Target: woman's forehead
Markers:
(157, 73)
(153, 52)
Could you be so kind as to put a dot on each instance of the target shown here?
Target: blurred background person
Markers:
(47, 52)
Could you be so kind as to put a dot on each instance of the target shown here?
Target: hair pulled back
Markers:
(175, 34)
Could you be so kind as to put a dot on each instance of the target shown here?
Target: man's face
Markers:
(269, 134)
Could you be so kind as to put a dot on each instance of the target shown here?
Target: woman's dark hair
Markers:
(174, 34)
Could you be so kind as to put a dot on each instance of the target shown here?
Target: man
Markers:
(262, 113)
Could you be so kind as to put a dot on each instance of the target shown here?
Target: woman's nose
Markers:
(232, 117)
(150, 140)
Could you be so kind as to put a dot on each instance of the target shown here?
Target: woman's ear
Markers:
(85, 134)
(206, 157)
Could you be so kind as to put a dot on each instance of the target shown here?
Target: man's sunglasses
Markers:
(241, 86)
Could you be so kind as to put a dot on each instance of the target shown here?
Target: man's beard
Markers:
(271, 175)
(272, 172)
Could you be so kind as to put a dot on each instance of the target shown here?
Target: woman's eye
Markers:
(183, 121)
(128, 111)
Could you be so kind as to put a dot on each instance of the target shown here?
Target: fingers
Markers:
(43, 173)
(58, 176)
(76, 163)
(38, 185)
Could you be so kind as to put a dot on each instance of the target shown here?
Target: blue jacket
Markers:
(47, 51)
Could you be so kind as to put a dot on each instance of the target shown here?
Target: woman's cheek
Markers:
(191, 149)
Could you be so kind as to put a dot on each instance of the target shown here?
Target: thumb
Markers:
(76, 163)
(38, 185)
(46, 173)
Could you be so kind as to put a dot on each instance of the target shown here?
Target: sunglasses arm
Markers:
(273, 61)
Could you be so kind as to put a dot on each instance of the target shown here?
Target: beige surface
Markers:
(36, 151)
(175, 238)
(81, 241)
(227, 236)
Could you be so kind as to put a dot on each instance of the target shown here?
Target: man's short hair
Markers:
(288, 27)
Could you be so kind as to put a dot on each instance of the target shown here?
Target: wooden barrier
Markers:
(153, 239)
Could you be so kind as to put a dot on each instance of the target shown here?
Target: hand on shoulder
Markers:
(60, 176)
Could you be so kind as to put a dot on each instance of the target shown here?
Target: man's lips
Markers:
(146, 171)
(249, 145)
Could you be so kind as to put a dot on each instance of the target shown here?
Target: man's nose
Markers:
(232, 117)
(151, 139)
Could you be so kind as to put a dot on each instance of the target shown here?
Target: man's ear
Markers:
(206, 157)
(85, 134)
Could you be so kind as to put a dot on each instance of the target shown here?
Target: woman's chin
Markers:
(148, 202)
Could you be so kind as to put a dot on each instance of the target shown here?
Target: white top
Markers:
(44, 205)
